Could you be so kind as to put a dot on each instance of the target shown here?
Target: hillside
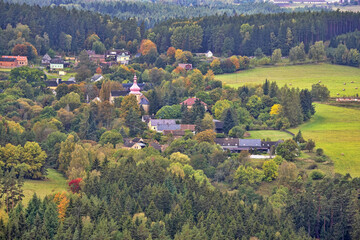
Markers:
(301, 76)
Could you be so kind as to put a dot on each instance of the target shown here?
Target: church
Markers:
(134, 90)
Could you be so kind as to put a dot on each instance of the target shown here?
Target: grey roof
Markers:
(144, 101)
(227, 141)
(96, 77)
(157, 122)
(118, 93)
(57, 61)
(250, 143)
(218, 124)
(162, 127)
(46, 57)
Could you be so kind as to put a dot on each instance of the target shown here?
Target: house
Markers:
(209, 54)
(190, 127)
(238, 145)
(120, 56)
(21, 60)
(154, 123)
(96, 78)
(55, 82)
(136, 143)
(56, 63)
(186, 66)
(8, 62)
(191, 101)
(46, 60)
(95, 58)
(147, 118)
(219, 126)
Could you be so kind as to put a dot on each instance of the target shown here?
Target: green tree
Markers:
(276, 56)
(288, 150)
(237, 132)
(188, 37)
(114, 137)
(317, 51)
(320, 92)
(229, 121)
(11, 191)
(270, 169)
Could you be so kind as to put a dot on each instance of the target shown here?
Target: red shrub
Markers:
(75, 185)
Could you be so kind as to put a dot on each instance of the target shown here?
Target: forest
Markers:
(171, 187)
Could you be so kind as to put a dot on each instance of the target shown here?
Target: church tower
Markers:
(141, 99)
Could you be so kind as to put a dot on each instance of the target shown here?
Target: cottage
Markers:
(46, 60)
(154, 123)
(56, 64)
(191, 101)
(186, 66)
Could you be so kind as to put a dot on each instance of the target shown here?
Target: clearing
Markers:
(54, 182)
(337, 131)
(302, 76)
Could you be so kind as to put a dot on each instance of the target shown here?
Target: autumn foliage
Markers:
(146, 46)
(75, 185)
(62, 203)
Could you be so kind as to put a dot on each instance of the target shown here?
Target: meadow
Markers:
(302, 76)
(274, 135)
(53, 183)
(337, 131)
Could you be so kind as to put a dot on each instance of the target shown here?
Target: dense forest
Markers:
(224, 35)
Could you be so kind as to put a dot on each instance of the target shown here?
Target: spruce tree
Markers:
(229, 121)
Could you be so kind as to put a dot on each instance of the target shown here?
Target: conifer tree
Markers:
(229, 121)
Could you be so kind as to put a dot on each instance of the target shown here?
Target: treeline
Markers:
(242, 35)
(143, 200)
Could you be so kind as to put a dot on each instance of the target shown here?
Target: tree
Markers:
(317, 51)
(206, 136)
(66, 149)
(180, 158)
(113, 137)
(146, 46)
(169, 112)
(133, 122)
(270, 168)
(237, 132)
(98, 47)
(275, 109)
(207, 122)
(65, 41)
(310, 145)
(220, 107)
(188, 37)
(320, 92)
(129, 102)
(11, 188)
(229, 121)
(288, 150)
(341, 54)
(276, 56)
(79, 163)
(248, 175)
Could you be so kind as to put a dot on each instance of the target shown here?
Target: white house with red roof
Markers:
(191, 101)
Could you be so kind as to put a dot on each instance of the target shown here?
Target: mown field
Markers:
(53, 183)
(302, 76)
(274, 135)
(337, 131)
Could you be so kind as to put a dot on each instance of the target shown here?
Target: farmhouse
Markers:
(13, 61)
(238, 144)
(46, 60)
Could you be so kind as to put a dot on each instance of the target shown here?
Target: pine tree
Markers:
(266, 87)
(51, 219)
(229, 121)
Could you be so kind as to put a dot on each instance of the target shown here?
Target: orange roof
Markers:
(19, 58)
(191, 101)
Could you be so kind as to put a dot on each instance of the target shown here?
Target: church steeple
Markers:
(135, 89)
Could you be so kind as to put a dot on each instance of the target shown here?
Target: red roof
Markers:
(191, 101)
(19, 58)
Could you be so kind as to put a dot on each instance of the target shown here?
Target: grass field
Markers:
(54, 183)
(5, 69)
(302, 76)
(272, 134)
(337, 131)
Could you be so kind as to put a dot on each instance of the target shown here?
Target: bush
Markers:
(321, 159)
(312, 166)
(319, 152)
(317, 175)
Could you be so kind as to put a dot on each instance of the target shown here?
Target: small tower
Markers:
(135, 89)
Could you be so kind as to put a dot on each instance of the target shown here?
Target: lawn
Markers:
(337, 131)
(302, 76)
(274, 135)
(54, 182)
(5, 69)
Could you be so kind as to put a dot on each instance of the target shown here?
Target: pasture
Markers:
(274, 135)
(337, 131)
(301, 76)
(53, 183)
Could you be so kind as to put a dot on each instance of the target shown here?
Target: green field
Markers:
(53, 183)
(274, 135)
(302, 76)
(5, 69)
(337, 131)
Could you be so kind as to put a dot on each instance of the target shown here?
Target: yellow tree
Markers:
(127, 103)
(275, 109)
(206, 136)
(79, 163)
(146, 46)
